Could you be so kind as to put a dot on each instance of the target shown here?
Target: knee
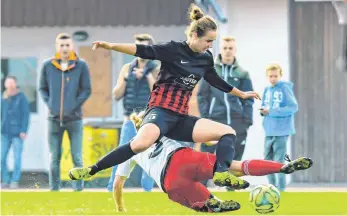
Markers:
(227, 130)
(138, 145)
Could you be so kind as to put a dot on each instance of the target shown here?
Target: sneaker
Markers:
(216, 205)
(301, 163)
(226, 179)
(80, 173)
(14, 185)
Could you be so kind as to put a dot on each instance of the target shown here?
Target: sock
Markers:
(115, 157)
(260, 167)
(225, 152)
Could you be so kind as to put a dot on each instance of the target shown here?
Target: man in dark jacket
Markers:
(224, 108)
(14, 126)
(64, 87)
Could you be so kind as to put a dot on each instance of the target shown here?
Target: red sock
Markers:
(260, 167)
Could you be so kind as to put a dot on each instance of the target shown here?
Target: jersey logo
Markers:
(188, 82)
(184, 62)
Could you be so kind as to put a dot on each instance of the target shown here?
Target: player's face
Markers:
(228, 49)
(274, 76)
(202, 44)
(64, 47)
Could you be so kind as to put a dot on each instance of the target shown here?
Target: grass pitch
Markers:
(141, 203)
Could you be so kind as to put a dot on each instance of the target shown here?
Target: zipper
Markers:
(213, 101)
(62, 98)
(226, 95)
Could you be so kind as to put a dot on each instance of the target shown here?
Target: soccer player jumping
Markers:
(183, 64)
(178, 170)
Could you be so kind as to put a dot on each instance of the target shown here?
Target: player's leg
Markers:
(195, 195)
(207, 130)
(155, 123)
(128, 131)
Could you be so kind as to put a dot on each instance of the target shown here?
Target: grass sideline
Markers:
(92, 203)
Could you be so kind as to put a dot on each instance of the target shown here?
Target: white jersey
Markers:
(152, 161)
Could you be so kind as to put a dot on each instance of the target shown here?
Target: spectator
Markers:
(15, 114)
(278, 108)
(134, 85)
(64, 87)
(226, 108)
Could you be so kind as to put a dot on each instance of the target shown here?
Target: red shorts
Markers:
(183, 175)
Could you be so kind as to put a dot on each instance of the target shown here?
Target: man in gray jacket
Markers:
(64, 87)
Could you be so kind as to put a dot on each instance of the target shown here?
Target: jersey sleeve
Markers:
(216, 81)
(125, 168)
(161, 52)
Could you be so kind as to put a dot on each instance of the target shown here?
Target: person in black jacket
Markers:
(228, 109)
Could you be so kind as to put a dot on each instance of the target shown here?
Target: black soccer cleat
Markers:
(301, 163)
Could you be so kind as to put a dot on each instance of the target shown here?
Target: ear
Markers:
(194, 35)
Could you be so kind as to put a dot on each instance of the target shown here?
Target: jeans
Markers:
(275, 149)
(56, 132)
(128, 132)
(17, 144)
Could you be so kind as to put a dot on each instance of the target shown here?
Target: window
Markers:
(25, 70)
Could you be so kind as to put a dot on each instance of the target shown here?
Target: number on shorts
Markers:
(157, 150)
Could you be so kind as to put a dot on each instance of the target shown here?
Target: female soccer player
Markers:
(183, 64)
(178, 170)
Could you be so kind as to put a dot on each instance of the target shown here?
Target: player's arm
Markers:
(161, 52)
(119, 90)
(126, 48)
(216, 81)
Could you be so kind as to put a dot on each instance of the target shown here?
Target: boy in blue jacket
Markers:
(278, 108)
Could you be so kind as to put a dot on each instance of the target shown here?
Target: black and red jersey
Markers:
(181, 69)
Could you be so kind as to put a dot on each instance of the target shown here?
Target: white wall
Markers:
(39, 42)
(261, 31)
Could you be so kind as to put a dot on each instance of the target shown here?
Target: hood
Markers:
(56, 59)
(218, 61)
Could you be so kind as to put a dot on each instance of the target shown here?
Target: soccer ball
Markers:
(265, 198)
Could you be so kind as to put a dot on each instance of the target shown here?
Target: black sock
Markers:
(115, 157)
(225, 152)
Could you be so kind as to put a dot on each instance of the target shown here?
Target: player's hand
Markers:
(251, 94)
(138, 73)
(100, 44)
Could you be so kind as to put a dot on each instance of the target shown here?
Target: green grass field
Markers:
(101, 203)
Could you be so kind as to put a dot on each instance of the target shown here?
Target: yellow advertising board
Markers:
(97, 142)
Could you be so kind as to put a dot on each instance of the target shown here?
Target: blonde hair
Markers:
(199, 22)
(274, 66)
(228, 38)
(144, 37)
(137, 118)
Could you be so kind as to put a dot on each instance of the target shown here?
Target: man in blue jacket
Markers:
(278, 108)
(64, 87)
(15, 114)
